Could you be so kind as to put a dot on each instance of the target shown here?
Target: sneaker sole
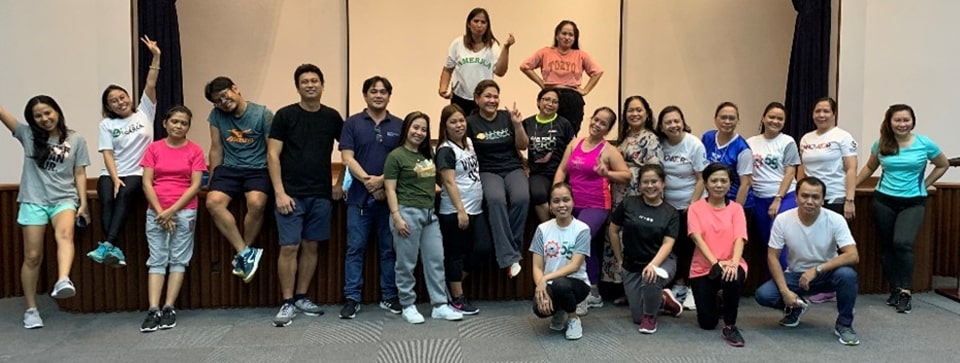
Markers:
(280, 324)
(574, 337)
(35, 326)
(415, 321)
(148, 330)
(307, 313)
(733, 344)
(387, 308)
(475, 312)
(165, 327)
(796, 323)
(354, 315)
(111, 261)
(844, 342)
(94, 258)
(64, 293)
(644, 331)
(256, 265)
(448, 318)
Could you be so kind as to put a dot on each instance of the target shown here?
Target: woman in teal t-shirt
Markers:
(900, 198)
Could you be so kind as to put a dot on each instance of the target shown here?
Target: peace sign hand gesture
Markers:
(151, 45)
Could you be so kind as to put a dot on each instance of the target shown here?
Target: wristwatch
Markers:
(819, 269)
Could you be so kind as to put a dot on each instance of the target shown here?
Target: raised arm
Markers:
(150, 87)
(500, 68)
(8, 119)
(520, 138)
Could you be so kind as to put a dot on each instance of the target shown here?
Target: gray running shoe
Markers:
(285, 315)
(63, 289)
(307, 307)
(31, 319)
(846, 334)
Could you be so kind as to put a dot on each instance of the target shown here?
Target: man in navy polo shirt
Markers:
(366, 140)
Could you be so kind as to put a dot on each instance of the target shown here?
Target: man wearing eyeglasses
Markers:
(238, 166)
(367, 138)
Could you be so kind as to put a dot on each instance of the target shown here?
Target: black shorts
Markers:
(235, 181)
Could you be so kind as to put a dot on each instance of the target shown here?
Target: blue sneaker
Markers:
(237, 264)
(114, 258)
(100, 253)
(251, 260)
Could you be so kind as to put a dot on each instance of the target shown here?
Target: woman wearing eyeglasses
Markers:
(549, 135)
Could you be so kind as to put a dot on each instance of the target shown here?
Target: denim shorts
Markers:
(31, 214)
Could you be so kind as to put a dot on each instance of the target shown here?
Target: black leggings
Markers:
(571, 107)
(468, 106)
(565, 293)
(683, 249)
(898, 221)
(114, 210)
(705, 295)
(458, 245)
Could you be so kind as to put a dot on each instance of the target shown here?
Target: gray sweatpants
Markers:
(508, 201)
(424, 238)
(170, 249)
(645, 298)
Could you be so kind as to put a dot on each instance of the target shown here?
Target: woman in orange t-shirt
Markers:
(562, 66)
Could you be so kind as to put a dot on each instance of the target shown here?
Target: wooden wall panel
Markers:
(210, 284)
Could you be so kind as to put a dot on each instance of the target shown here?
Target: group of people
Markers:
(663, 212)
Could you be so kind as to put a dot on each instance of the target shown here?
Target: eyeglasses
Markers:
(552, 101)
(222, 98)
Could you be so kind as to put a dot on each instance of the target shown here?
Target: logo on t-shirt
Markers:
(494, 135)
(474, 60)
(239, 137)
(551, 249)
(425, 169)
(126, 131)
(58, 153)
(770, 160)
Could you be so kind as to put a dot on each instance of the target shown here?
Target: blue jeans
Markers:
(360, 221)
(842, 280)
(765, 223)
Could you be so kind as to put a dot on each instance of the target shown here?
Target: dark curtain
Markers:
(158, 20)
(808, 77)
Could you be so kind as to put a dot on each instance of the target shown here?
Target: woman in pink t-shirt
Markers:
(562, 66)
(591, 166)
(718, 227)
(172, 169)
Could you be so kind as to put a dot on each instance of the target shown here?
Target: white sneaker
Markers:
(63, 289)
(559, 321)
(574, 329)
(513, 270)
(689, 303)
(444, 312)
(594, 301)
(31, 319)
(582, 308)
(411, 315)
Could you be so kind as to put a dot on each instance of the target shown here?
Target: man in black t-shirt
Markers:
(298, 157)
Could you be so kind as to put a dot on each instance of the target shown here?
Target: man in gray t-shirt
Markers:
(812, 236)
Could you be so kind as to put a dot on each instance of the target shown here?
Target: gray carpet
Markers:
(503, 332)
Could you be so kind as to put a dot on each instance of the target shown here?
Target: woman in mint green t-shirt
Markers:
(900, 198)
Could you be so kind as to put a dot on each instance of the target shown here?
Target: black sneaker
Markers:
(894, 297)
(151, 322)
(731, 334)
(349, 310)
(462, 305)
(392, 305)
(791, 314)
(903, 303)
(168, 318)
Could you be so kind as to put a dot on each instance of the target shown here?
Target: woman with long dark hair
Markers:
(473, 57)
(461, 198)
(901, 194)
(125, 133)
(53, 190)
(409, 177)
(562, 66)
(829, 153)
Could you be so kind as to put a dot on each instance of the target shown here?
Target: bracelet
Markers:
(394, 211)
(778, 196)
(155, 67)
(849, 200)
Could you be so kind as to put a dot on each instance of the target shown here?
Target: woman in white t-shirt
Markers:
(125, 133)
(684, 158)
(474, 57)
(460, 202)
(775, 160)
(830, 154)
(559, 248)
